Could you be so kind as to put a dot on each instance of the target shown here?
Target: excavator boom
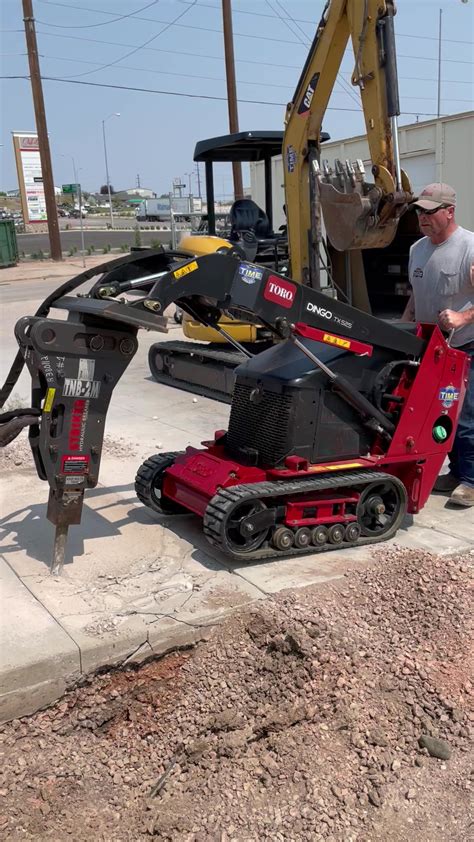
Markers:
(356, 214)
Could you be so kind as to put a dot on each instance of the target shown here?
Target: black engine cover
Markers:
(282, 405)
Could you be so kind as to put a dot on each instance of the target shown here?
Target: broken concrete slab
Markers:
(38, 659)
(133, 582)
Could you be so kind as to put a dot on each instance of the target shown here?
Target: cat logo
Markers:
(305, 103)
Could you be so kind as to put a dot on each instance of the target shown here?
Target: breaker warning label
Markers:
(77, 465)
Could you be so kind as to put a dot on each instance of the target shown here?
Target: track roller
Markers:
(283, 538)
(352, 532)
(303, 538)
(336, 533)
(319, 536)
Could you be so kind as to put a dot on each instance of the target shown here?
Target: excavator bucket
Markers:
(355, 216)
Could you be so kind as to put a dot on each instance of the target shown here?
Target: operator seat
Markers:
(245, 215)
(250, 227)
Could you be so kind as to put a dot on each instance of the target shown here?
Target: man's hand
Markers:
(451, 320)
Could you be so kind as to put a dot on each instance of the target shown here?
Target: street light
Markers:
(115, 114)
(78, 186)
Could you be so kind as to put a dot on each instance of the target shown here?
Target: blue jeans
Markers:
(461, 458)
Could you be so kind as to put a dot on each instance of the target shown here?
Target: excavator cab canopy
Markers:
(241, 147)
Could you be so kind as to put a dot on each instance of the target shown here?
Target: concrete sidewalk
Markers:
(137, 584)
(35, 270)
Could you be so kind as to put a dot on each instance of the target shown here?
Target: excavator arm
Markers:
(356, 214)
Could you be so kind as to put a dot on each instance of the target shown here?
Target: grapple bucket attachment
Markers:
(356, 214)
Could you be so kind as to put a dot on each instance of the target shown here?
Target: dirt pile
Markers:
(334, 713)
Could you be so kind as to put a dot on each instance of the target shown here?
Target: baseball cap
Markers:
(435, 195)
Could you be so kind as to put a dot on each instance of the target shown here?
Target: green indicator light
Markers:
(439, 433)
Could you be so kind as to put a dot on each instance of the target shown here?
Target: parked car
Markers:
(62, 212)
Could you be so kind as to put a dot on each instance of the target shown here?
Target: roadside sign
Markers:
(70, 188)
(30, 179)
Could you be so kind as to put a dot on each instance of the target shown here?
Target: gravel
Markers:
(341, 712)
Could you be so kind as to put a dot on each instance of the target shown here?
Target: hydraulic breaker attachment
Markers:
(74, 368)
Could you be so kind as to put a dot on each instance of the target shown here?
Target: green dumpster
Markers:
(8, 243)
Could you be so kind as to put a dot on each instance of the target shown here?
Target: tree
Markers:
(104, 190)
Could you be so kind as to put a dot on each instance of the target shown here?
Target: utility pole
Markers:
(439, 60)
(42, 130)
(231, 91)
(198, 179)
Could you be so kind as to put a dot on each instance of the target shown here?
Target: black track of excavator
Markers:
(203, 369)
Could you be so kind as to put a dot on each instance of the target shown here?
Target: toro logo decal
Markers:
(448, 395)
(305, 103)
(279, 291)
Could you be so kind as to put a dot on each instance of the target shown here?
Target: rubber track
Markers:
(145, 473)
(231, 359)
(224, 501)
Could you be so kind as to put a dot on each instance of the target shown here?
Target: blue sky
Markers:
(96, 41)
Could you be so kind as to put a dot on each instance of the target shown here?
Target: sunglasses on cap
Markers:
(421, 211)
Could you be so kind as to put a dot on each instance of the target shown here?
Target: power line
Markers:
(219, 58)
(176, 52)
(104, 23)
(339, 79)
(219, 31)
(305, 20)
(241, 12)
(137, 49)
(162, 72)
(209, 78)
(197, 96)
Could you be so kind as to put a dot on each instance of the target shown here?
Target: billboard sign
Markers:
(30, 177)
(180, 204)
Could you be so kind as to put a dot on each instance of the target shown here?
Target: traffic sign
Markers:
(71, 188)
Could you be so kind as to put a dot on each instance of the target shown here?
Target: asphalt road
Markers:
(34, 243)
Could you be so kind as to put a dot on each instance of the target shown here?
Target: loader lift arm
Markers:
(356, 214)
(76, 364)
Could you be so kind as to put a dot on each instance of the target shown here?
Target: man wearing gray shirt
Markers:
(441, 273)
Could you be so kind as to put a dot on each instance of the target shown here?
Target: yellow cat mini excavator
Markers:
(358, 214)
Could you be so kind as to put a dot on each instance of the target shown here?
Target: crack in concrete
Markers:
(159, 616)
(55, 619)
(146, 642)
